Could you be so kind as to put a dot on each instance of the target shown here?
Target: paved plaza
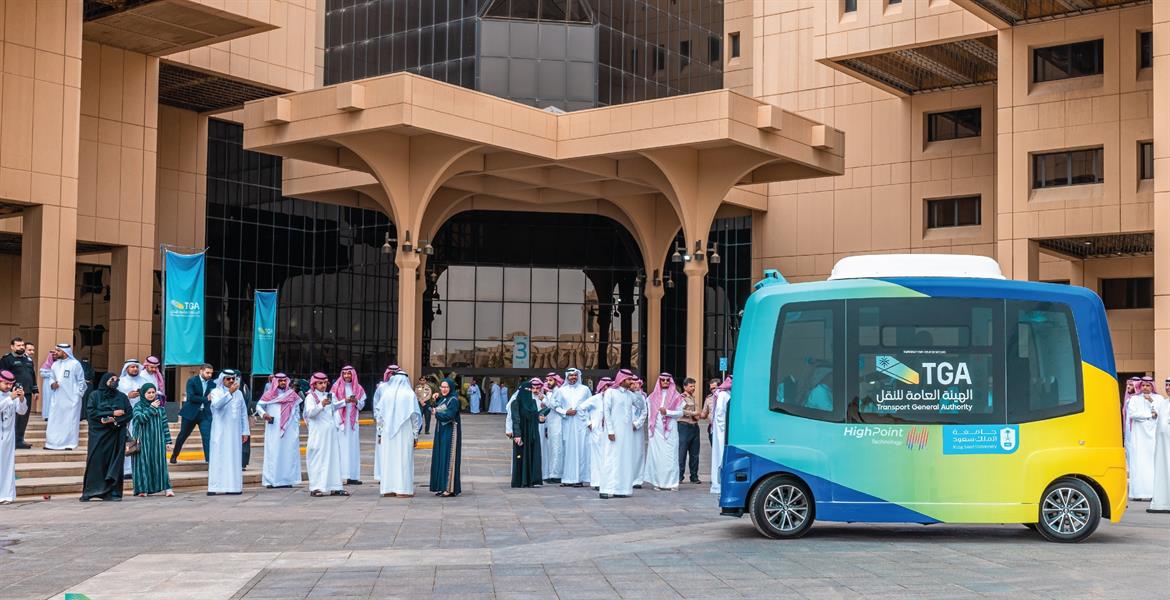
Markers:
(552, 542)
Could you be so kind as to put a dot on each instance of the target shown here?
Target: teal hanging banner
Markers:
(183, 327)
(264, 333)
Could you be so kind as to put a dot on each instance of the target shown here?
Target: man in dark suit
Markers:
(21, 365)
(196, 411)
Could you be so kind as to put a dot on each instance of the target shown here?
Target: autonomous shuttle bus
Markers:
(924, 389)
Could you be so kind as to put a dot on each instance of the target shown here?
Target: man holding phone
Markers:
(21, 365)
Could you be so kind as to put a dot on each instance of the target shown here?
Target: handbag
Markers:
(132, 447)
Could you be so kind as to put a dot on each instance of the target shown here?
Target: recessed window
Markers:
(953, 212)
(1146, 159)
(850, 6)
(953, 125)
(1072, 167)
(893, 2)
(1068, 60)
(713, 48)
(684, 50)
(659, 58)
(1127, 292)
(1145, 49)
(734, 43)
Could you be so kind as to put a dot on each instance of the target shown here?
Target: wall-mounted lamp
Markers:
(678, 255)
(657, 281)
(426, 248)
(438, 311)
(669, 281)
(698, 253)
(715, 258)
(386, 248)
(407, 246)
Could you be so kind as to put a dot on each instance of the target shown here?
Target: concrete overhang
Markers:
(1003, 14)
(905, 71)
(531, 155)
(161, 27)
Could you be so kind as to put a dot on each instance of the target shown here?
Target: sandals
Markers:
(317, 493)
(339, 493)
(170, 493)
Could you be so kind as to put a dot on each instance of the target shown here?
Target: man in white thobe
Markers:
(391, 371)
(277, 407)
(352, 399)
(64, 389)
(719, 432)
(474, 395)
(1160, 502)
(1142, 416)
(229, 431)
(12, 403)
(623, 424)
(666, 406)
(132, 378)
(499, 398)
(323, 450)
(574, 429)
(398, 416)
(551, 448)
(640, 457)
(594, 409)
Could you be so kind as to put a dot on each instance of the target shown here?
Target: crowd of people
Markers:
(615, 437)
(1146, 427)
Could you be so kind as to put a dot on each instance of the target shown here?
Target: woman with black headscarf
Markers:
(448, 449)
(108, 412)
(526, 454)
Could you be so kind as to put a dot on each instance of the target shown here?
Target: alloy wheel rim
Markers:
(786, 508)
(1066, 511)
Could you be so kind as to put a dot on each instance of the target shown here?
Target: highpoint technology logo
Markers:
(894, 368)
(917, 437)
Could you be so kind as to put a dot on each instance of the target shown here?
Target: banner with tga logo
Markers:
(183, 340)
(264, 333)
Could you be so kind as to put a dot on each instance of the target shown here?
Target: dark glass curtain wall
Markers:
(569, 283)
(337, 290)
(533, 51)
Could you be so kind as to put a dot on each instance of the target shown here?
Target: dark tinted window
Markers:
(1146, 160)
(1043, 362)
(925, 360)
(953, 125)
(1068, 60)
(953, 212)
(1145, 50)
(735, 45)
(1075, 167)
(850, 5)
(806, 373)
(1127, 292)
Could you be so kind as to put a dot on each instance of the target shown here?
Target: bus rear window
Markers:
(934, 360)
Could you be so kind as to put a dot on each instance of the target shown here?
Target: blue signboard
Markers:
(981, 439)
(264, 333)
(183, 343)
(722, 363)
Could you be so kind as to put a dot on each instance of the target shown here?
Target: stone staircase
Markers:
(43, 472)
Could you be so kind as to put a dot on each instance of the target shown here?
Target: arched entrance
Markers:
(567, 284)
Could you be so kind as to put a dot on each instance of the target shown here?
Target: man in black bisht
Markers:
(108, 412)
(18, 362)
(525, 439)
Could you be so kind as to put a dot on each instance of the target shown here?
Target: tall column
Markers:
(420, 272)
(1161, 30)
(131, 289)
(696, 273)
(48, 266)
(653, 350)
(409, 343)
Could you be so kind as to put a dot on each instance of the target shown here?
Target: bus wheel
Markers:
(1070, 511)
(782, 507)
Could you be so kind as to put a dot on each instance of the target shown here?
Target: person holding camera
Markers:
(108, 412)
(12, 404)
(323, 450)
(229, 430)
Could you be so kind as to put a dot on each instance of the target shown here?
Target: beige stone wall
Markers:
(878, 205)
(182, 178)
(1113, 111)
(876, 25)
(285, 58)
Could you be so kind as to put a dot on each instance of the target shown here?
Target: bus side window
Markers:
(1043, 362)
(805, 371)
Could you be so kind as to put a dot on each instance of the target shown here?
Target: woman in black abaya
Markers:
(525, 439)
(108, 412)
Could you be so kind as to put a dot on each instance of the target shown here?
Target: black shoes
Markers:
(353, 482)
(604, 496)
(24, 446)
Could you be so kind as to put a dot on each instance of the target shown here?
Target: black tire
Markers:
(782, 508)
(1069, 511)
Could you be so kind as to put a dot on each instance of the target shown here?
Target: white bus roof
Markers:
(874, 266)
